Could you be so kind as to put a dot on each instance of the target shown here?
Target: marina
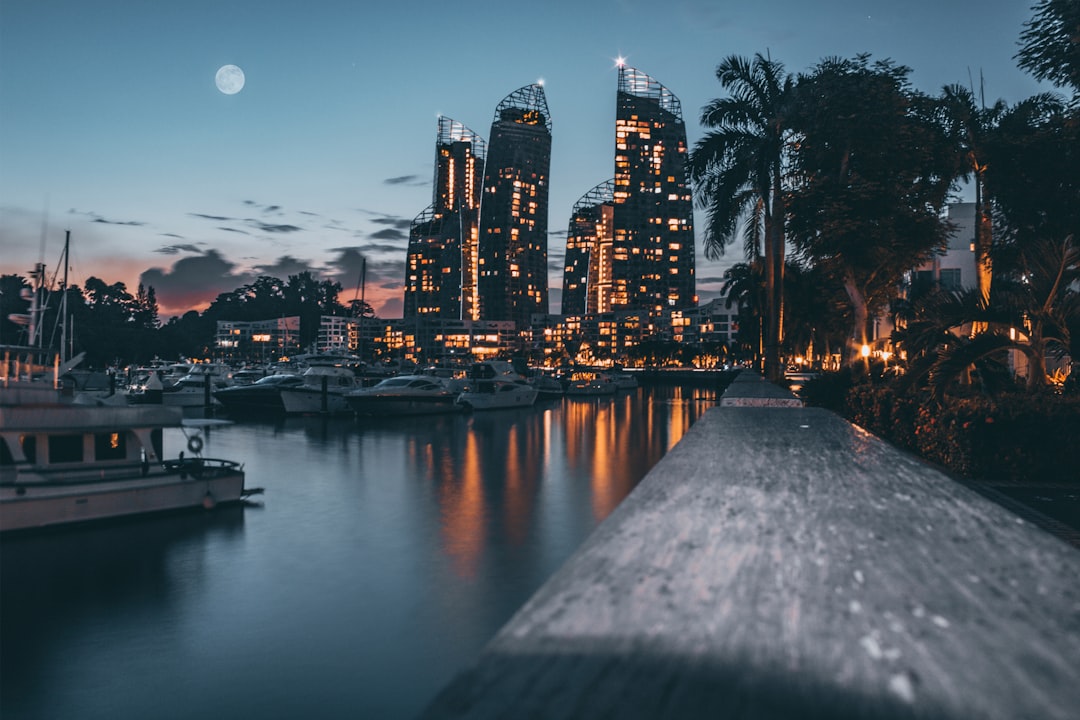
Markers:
(383, 555)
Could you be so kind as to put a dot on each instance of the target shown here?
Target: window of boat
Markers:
(65, 448)
(29, 447)
(5, 454)
(110, 446)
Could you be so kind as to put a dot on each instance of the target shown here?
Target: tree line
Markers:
(834, 181)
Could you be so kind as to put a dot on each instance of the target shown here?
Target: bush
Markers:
(1011, 437)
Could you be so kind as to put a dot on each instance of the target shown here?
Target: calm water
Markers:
(381, 559)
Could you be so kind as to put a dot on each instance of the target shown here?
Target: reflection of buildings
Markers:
(513, 280)
(440, 277)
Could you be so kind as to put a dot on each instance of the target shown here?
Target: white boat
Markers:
(196, 389)
(323, 390)
(405, 395)
(64, 463)
(494, 385)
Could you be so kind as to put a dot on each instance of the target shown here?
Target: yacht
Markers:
(322, 390)
(494, 385)
(405, 395)
(263, 395)
(196, 388)
(64, 463)
(590, 384)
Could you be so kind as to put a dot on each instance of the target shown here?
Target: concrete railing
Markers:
(781, 562)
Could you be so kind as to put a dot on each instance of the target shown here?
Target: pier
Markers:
(781, 562)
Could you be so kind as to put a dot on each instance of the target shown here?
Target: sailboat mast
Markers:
(65, 351)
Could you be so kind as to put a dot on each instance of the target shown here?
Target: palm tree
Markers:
(971, 129)
(1032, 312)
(737, 169)
(743, 286)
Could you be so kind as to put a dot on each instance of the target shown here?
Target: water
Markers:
(384, 555)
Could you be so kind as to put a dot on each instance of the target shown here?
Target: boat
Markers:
(495, 385)
(405, 395)
(263, 395)
(547, 386)
(65, 463)
(322, 390)
(590, 384)
(196, 388)
(623, 380)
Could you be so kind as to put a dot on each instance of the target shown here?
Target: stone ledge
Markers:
(781, 562)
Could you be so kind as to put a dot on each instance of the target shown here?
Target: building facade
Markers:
(653, 264)
(442, 260)
(589, 240)
(512, 281)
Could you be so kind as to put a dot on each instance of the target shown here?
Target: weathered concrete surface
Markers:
(779, 562)
(749, 389)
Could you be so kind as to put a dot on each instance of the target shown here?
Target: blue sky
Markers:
(111, 125)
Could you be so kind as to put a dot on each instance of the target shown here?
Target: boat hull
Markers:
(386, 406)
(189, 485)
(299, 402)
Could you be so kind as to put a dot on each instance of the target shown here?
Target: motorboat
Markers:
(405, 395)
(547, 386)
(623, 380)
(196, 389)
(65, 463)
(263, 395)
(322, 390)
(583, 383)
(494, 385)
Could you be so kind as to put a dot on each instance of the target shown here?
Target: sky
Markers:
(112, 127)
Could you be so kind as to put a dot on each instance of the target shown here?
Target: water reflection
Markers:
(386, 553)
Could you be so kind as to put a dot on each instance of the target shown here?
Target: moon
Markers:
(229, 79)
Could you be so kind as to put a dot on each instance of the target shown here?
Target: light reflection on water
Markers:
(384, 555)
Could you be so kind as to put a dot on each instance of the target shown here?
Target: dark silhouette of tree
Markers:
(872, 172)
(1050, 43)
(738, 168)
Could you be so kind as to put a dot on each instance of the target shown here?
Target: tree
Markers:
(1050, 43)
(738, 170)
(744, 287)
(872, 172)
(1032, 311)
(971, 129)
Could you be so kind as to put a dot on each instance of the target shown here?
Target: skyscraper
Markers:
(513, 281)
(653, 246)
(441, 266)
(587, 277)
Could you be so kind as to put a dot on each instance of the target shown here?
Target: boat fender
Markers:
(194, 444)
(208, 501)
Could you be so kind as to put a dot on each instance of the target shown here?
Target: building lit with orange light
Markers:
(587, 274)
(513, 281)
(652, 264)
(442, 261)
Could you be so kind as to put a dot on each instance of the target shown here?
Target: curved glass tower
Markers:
(587, 276)
(513, 281)
(441, 266)
(653, 245)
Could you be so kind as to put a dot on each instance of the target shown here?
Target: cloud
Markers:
(285, 266)
(94, 217)
(132, 223)
(235, 230)
(389, 234)
(215, 218)
(193, 282)
(172, 235)
(391, 220)
(401, 180)
(267, 227)
(177, 249)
